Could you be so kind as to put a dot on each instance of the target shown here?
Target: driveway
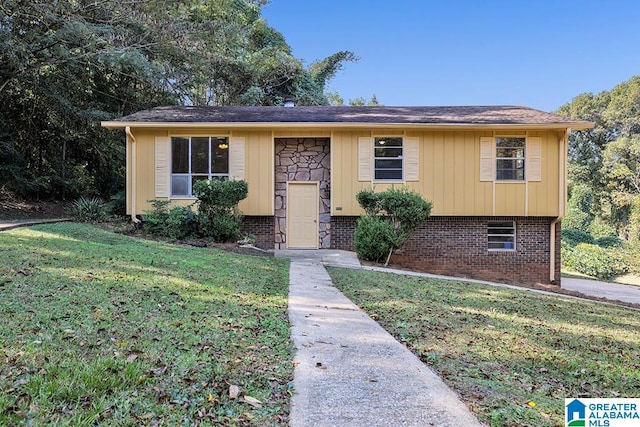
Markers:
(612, 291)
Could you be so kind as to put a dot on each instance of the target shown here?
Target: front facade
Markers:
(496, 176)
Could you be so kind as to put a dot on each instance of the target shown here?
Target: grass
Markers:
(99, 328)
(512, 356)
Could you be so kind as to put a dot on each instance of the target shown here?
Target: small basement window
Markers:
(501, 235)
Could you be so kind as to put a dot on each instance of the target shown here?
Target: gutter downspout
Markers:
(562, 199)
(127, 130)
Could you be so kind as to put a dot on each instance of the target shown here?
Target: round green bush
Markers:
(372, 238)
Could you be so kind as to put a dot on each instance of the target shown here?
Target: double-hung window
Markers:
(510, 159)
(197, 158)
(501, 235)
(388, 158)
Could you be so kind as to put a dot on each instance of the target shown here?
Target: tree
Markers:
(362, 102)
(67, 65)
(604, 158)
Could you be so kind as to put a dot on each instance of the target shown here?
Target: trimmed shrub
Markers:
(89, 210)
(154, 221)
(178, 222)
(218, 214)
(402, 210)
(181, 223)
(371, 238)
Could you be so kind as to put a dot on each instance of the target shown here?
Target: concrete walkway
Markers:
(8, 224)
(349, 371)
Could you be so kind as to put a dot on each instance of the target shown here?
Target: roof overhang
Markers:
(344, 125)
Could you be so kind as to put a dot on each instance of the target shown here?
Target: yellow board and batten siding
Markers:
(449, 175)
(447, 171)
(258, 167)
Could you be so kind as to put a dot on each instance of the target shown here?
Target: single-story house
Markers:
(496, 176)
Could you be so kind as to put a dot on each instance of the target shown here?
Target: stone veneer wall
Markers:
(302, 159)
(457, 246)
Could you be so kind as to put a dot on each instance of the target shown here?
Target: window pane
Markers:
(179, 155)
(500, 245)
(388, 142)
(180, 185)
(510, 142)
(200, 155)
(506, 174)
(510, 164)
(510, 152)
(500, 231)
(388, 152)
(507, 224)
(501, 235)
(389, 164)
(220, 155)
(388, 174)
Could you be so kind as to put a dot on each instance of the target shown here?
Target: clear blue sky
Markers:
(537, 53)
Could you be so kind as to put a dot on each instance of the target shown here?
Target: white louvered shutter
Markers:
(534, 158)
(365, 158)
(236, 158)
(163, 166)
(487, 158)
(411, 159)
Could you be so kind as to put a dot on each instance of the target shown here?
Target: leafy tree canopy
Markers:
(606, 159)
(68, 64)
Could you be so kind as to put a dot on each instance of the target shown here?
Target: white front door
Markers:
(302, 215)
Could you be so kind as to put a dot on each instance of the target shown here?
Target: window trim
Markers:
(524, 159)
(375, 158)
(500, 225)
(190, 175)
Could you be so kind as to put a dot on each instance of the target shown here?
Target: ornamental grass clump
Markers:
(89, 209)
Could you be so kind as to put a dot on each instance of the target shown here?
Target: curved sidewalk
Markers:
(349, 371)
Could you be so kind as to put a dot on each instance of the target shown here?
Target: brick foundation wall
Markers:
(457, 246)
(263, 227)
(342, 230)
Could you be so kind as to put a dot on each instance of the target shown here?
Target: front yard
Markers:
(102, 328)
(99, 328)
(512, 356)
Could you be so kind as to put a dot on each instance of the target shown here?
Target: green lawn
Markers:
(513, 356)
(99, 328)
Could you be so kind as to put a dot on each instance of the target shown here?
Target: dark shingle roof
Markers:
(435, 116)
